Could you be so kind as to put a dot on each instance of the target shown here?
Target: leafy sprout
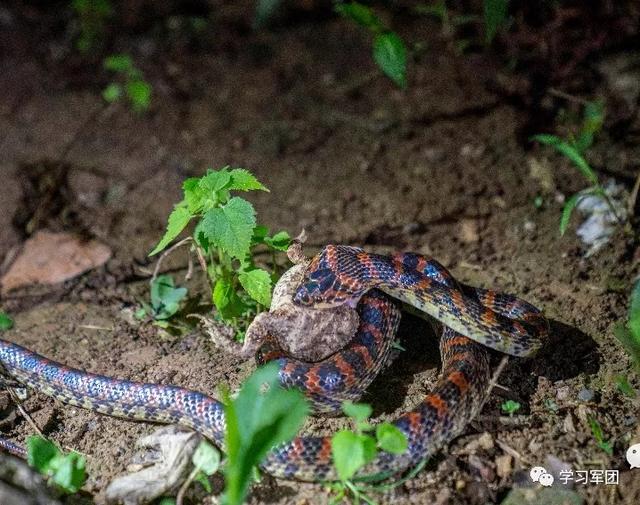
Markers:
(131, 83)
(262, 416)
(353, 450)
(628, 333)
(573, 149)
(65, 471)
(389, 50)
(226, 237)
(510, 407)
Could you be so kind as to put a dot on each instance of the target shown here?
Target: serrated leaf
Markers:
(260, 234)
(359, 412)
(243, 180)
(391, 439)
(361, 14)
(258, 284)
(495, 12)
(570, 152)
(214, 181)
(390, 54)
(178, 220)
(206, 458)
(351, 452)
(230, 227)
(194, 195)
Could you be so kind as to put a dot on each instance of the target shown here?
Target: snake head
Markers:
(322, 290)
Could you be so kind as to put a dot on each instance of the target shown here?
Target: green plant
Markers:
(622, 383)
(495, 14)
(352, 450)
(206, 462)
(262, 416)
(573, 149)
(598, 434)
(131, 85)
(92, 16)
(510, 407)
(389, 51)
(629, 333)
(165, 300)
(66, 471)
(6, 323)
(226, 238)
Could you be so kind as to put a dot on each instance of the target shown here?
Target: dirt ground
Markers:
(442, 168)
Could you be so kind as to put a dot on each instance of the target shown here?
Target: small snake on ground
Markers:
(473, 318)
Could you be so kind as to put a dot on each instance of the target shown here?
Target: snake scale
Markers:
(473, 319)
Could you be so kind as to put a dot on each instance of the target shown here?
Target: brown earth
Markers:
(440, 168)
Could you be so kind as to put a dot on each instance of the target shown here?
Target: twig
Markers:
(571, 98)
(27, 417)
(185, 486)
(494, 380)
(166, 253)
(631, 205)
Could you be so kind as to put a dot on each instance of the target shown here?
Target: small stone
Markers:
(586, 395)
(568, 425)
(469, 231)
(563, 393)
(529, 226)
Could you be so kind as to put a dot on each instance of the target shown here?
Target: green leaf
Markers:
(495, 12)
(510, 407)
(390, 54)
(243, 180)
(593, 120)
(567, 210)
(112, 92)
(391, 439)
(262, 416)
(260, 235)
(230, 227)
(361, 14)
(139, 93)
(258, 284)
(265, 10)
(6, 323)
(570, 152)
(280, 241)
(624, 387)
(167, 500)
(226, 300)
(194, 195)
(351, 451)
(634, 312)
(70, 474)
(214, 181)
(165, 298)
(40, 454)
(202, 478)
(178, 220)
(206, 458)
(121, 63)
(359, 412)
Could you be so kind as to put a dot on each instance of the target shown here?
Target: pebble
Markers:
(586, 395)
(563, 393)
(504, 465)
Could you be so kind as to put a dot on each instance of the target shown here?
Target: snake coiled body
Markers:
(339, 274)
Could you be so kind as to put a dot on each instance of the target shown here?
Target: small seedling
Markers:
(6, 323)
(226, 239)
(598, 434)
(165, 300)
(352, 450)
(389, 50)
(262, 416)
(573, 149)
(131, 83)
(629, 333)
(495, 14)
(92, 16)
(510, 407)
(206, 462)
(65, 471)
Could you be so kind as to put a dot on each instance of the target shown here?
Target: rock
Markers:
(504, 465)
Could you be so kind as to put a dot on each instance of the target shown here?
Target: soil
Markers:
(441, 168)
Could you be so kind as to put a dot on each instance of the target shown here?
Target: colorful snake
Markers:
(339, 274)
